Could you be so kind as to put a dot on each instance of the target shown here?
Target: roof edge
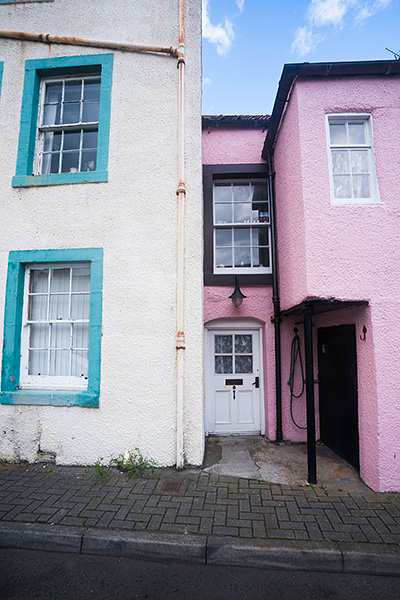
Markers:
(292, 71)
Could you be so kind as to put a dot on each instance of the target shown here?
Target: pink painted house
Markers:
(302, 207)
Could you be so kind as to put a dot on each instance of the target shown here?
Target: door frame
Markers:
(345, 330)
(236, 325)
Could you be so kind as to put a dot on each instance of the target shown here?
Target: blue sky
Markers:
(247, 42)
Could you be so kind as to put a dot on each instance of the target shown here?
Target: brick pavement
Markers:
(205, 504)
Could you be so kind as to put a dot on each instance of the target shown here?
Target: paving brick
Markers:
(122, 513)
(25, 517)
(259, 530)
(233, 512)
(337, 536)
(255, 500)
(206, 524)
(271, 521)
(378, 525)
(170, 515)
(132, 516)
(301, 535)
(155, 522)
(244, 505)
(105, 519)
(76, 521)
(314, 531)
(198, 503)
(282, 514)
(172, 527)
(185, 510)
(211, 498)
(245, 532)
(239, 523)
(220, 530)
(370, 533)
(283, 534)
(303, 518)
(291, 525)
(188, 520)
(358, 537)
(333, 516)
(251, 516)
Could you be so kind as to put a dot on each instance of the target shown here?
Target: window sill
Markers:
(244, 280)
(59, 179)
(50, 398)
(354, 201)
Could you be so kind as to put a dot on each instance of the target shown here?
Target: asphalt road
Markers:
(33, 575)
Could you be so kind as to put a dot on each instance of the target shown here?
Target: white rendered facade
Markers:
(131, 213)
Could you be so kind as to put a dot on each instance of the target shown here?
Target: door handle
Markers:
(256, 382)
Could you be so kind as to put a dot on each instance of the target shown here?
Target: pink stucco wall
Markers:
(230, 146)
(349, 251)
(257, 307)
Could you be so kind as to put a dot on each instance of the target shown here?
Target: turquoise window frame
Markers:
(1, 75)
(10, 374)
(35, 71)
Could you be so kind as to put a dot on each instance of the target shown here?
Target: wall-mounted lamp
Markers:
(237, 296)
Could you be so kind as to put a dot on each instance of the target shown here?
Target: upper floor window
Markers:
(65, 121)
(351, 159)
(68, 125)
(237, 238)
(241, 227)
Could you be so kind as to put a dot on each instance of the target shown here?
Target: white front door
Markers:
(233, 380)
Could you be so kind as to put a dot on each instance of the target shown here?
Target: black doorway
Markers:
(338, 402)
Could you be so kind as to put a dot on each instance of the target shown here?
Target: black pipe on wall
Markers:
(276, 302)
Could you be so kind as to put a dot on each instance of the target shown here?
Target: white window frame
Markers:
(47, 382)
(62, 128)
(246, 225)
(346, 118)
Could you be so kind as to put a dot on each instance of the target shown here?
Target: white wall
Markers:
(133, 217)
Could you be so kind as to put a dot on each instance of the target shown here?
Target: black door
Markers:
(338, 404)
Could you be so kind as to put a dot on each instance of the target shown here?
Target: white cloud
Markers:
(305, 41)
(206, 81)
(240, 5)
(328, 13)
(221, 35)
(371, 8)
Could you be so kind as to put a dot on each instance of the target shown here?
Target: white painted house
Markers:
(101, 230)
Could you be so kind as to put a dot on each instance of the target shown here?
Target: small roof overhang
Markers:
(322, 306)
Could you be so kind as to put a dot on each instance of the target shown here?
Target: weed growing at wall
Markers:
(134, 463)
(101, 470)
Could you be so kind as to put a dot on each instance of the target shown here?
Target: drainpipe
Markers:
(181, 193)
(46, 38)
(276, 301)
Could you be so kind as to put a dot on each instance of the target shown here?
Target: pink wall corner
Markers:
(257, 306)
(232, 146)
(289, 203)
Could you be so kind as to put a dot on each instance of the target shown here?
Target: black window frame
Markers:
(212, 173)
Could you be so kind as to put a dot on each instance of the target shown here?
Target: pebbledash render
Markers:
(101, 243)
(326, 159)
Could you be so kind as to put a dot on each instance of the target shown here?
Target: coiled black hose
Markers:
(295, 355)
